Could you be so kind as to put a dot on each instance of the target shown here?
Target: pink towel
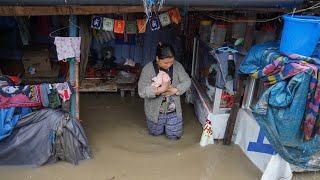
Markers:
(161, 77)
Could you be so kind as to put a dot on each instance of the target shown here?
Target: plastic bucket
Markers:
(300, 34)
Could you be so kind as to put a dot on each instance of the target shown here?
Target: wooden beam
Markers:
(87, 10)
(68, 10)
(262, 10)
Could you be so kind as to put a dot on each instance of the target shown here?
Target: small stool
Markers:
(127, 87)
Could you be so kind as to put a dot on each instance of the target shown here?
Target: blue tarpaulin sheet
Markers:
(280, 110)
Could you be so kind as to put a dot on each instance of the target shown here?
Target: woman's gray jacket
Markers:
(152, 103)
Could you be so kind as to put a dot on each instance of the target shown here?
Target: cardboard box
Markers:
(36, 60)
(53, 73)
(42, 77)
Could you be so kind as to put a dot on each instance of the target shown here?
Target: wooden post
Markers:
(74, 70)
(234, 111)
(250, 32)
(240, 84)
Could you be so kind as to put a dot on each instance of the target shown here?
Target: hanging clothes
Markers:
(68, 47)
(17, 96)
(64, 90)
(222, 57)
(45, 91)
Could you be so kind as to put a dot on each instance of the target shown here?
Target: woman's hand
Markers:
(163, 88)
(170, 92)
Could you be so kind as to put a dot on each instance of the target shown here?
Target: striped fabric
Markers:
(169, 124)
(283, 68)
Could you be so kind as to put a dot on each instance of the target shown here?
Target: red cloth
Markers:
(15, 79)
(119, 26)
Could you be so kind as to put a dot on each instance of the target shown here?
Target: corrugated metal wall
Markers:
(144, 49)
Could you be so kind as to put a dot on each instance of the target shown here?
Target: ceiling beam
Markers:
(208, 9)
(88, 10)
(68, 10)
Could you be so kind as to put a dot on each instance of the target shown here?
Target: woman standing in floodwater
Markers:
(162, 104)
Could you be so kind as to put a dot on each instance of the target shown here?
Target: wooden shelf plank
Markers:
(96, 85)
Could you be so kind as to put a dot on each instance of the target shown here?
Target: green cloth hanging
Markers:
(131, 27)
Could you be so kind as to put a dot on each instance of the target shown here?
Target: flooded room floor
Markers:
(122, 149)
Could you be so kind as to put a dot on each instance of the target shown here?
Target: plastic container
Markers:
(219, 34)
(300, 34)
(239, 29)
(213, 29)
(267, 33)
(204, 30)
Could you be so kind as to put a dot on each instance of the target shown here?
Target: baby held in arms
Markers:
(161, 77)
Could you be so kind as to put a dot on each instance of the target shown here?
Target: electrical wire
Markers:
(316, 6)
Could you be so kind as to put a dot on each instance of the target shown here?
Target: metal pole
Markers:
(73, 68)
